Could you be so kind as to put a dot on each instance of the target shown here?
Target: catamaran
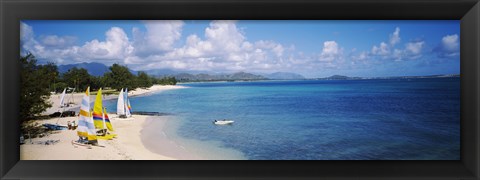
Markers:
(56, 126)
(63, 97)
(123, 104)
(100, 118)
(86, 128)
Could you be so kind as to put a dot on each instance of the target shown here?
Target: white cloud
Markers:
(414, 48)
(57, 41)
(449, 47)
(27, 40)
(159, 37)
(451, 42)
(330, 52)
(26, 32)
(224, 48)
(397, 55)
(361, 57)
(395, 37)
(225, 35)
(116, 46)
(381, 50)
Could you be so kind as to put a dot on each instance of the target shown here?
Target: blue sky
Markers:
(309, 48)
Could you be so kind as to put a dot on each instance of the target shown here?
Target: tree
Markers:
(97, 82)
(35, 81)
(77, 78)
(166, 81)
(143, 80)
(120, 77)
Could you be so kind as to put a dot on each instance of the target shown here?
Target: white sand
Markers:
(127, 145)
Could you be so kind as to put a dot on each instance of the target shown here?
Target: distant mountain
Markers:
(339, 77)
(93, 68)
(212, 76)
(185, 77)
(161, 72)
(245, 76)
(239, 76)
(284, 76)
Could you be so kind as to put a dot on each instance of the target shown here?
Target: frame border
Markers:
(468, 11)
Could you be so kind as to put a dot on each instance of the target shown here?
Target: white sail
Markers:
(62, 98)
(121, 104)
(86, 127)
(127, 108)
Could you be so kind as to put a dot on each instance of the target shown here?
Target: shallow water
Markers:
(408, 119)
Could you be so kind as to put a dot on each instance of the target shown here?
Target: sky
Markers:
(312, 48)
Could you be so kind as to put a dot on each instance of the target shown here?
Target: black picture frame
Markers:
(468, 11)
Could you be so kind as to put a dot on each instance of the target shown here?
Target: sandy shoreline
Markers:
(76, 98)
(127, 146)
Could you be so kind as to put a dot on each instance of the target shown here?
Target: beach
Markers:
(76, 98)
(127, 145)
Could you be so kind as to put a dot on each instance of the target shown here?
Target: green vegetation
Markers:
(119, 77)
(143, 80)
(77, 78)
(113, 81)
(166, 81)
(37, 81)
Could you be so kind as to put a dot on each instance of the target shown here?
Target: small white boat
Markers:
(223, 122)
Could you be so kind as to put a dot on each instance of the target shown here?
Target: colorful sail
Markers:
(128, 101)
(62, 98)
(107, 120)
(86, 127)
(100, 118)
(127, 105)
(121, 104)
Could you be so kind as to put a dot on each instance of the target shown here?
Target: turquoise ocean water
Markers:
(397, 119)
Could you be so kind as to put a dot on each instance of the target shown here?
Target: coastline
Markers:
(127, 146)
(76, 98)
(159, 135)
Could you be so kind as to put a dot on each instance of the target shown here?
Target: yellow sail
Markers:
(107, 120)
(100, 117)
(98, 107)
(98, 110)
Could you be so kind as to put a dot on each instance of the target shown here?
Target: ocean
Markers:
(378, 119)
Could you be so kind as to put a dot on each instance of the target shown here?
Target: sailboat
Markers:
(100, 118)
(56, 126)
(86, 127)
(123, 104)
(62, 98)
